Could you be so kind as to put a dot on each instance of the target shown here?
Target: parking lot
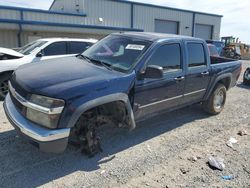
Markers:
(156, 154)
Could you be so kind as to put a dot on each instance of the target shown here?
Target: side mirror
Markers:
(39, 54)
(153, 71)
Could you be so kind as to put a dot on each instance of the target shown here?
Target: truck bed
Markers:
(217, 60)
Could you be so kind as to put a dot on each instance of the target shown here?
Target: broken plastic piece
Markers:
(216, 163)
(242, 132)
(231, 141)
(228, 177)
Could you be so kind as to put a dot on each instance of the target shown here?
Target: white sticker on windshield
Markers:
(135, 47)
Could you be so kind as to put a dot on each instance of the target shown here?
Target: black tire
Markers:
(246, 78)
(4, 88)
(216, 101)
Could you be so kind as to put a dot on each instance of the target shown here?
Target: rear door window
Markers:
(78, 47)
(56, 48)
(196, 55)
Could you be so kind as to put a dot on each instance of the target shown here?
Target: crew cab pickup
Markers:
(124, 78)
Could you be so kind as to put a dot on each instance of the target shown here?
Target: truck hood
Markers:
(7, 51)
(63, 77)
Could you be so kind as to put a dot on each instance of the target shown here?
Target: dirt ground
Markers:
(158, 153)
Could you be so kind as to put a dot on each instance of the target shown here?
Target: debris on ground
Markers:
(149, 149)
(103, 171)
(246, 170)
(184, 170)
(193, 158)
(242, 132)
(216, 163)
(228, 177)
(231, 141)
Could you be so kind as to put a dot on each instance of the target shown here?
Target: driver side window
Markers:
(168, 57)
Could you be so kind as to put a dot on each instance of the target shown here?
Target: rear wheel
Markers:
(246, 77)
(4, 87)
(215, 104)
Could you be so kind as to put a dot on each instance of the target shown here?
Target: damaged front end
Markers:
(7, 54)
(85, 135)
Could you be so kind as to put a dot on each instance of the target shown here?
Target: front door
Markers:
(154, 95)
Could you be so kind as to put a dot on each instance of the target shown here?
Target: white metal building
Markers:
(97, 18)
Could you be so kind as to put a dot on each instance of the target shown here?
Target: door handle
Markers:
(180, 78)
(205, 73)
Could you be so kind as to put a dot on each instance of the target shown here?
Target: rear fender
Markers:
(217, 80)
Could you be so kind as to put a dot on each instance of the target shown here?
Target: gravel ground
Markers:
(157, 153)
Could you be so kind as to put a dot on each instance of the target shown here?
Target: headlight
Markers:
(44, 111)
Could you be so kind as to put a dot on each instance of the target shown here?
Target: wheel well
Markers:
(226, 82)
(131, 96)
(113, 112)
(5, 73)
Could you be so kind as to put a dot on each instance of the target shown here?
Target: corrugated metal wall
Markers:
(68, 6)
(210, 20)
(56, 18)
(8, 38)
(144, 17)
(114, 14)
(9, 14)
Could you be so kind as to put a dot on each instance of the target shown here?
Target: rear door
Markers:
(197, 76)
(154, 95)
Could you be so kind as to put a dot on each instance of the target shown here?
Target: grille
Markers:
(18, 105)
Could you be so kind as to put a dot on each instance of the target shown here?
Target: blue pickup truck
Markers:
(124, 78)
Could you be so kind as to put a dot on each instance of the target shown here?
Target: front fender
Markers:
(4, 69)
(100, 101)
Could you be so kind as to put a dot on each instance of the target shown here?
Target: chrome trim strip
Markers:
(30, 129)
(169, 99)
(194, 92)
(33, 106)
(165, 100)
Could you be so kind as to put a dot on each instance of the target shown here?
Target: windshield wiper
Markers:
(96, 61)
(84, 57)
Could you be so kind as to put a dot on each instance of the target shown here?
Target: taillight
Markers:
(239, 72)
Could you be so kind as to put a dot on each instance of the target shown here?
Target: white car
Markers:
(37, 51)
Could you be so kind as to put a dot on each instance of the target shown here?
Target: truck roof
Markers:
(155, 36)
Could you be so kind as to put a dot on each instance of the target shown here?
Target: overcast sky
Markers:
(235, 21)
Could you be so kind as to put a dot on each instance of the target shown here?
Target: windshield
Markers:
(118, 52)
(29, 48)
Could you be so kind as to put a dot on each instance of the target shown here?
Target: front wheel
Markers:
(246, 77)
(215, 104)
(4, 88)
